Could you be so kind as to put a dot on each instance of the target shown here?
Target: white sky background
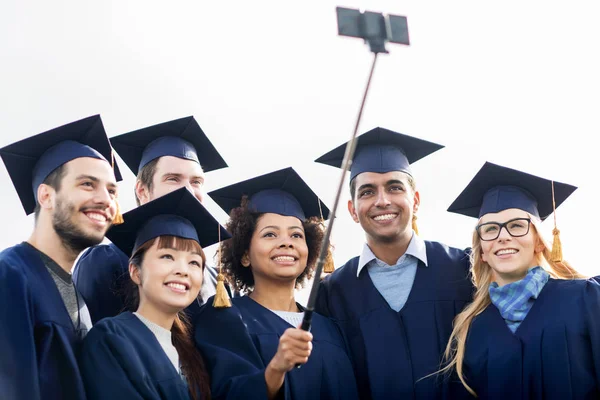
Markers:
(273, 85)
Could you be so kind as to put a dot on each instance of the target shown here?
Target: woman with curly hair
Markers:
(532, 330)
(252, 348)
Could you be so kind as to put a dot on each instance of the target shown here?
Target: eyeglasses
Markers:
(516, 227)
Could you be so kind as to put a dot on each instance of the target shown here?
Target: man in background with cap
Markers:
(65, 177)
(395, 302)
(164, 157)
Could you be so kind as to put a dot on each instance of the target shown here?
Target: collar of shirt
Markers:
(416, 248)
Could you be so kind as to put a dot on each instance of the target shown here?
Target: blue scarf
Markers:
(514, 300)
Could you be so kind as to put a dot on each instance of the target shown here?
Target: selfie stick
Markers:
(376, 29)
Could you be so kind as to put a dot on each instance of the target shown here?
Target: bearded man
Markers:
(66, 177)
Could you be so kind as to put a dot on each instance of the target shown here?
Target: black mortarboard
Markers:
(496, 188)
(30, 161)
(281, 192)
(381, 150)
(181, 138)
(178, 213)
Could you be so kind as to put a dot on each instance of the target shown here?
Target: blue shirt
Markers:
(394, 282)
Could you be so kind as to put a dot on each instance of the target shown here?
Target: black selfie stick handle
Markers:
(307, 320)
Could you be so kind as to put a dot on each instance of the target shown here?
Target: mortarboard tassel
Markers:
(556, 255)
(118, 219)
(414, 224)
(221, 299)
(329, 266)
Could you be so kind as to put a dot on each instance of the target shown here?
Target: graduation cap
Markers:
(281, 192)
(30, 161)
(381, 150)
(178, 213)
(496, 188)
(182, 138)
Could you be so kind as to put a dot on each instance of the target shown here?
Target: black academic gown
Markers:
(38, 342)
(239, 342)
(100, 276)
(554, 353)
(391, 351)
(122, 359)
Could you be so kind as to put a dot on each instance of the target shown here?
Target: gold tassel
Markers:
(556, 255)
(221, 298)
(118, 219)
(329, 266)
(414, 224)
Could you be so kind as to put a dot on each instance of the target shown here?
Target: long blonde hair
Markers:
(481, 276)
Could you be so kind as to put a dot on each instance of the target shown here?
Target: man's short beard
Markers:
(71, 236)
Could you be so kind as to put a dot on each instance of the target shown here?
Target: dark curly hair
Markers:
(241, 225)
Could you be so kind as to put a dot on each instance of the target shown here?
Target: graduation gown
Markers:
(100, 276)
(554, 353)
(239, 342)
(391, 351)
(122, 359)
(38, 342)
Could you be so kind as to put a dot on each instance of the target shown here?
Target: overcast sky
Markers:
(272, 85)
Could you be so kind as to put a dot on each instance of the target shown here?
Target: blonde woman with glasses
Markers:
(533, 328)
